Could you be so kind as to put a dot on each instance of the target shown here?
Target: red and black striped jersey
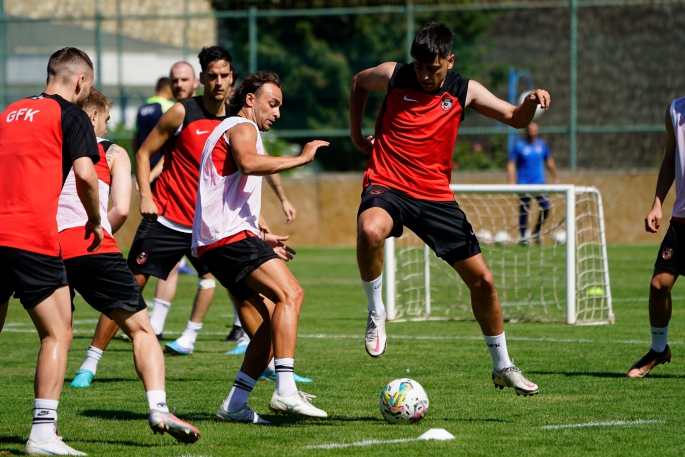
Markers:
(176, 188)
(40, 138)
(415, 136)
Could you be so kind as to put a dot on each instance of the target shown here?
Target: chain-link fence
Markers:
(611, 66)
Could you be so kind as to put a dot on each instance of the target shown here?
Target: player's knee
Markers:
(483, 284)
(660, 285)
(294, 295)
(372, 232)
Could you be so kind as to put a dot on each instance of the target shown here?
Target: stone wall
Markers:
(327, 206)
(201, 32)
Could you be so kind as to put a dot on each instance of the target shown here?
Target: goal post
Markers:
(560, 274)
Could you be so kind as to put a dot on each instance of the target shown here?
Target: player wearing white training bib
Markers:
(670, 262)
(227, 239)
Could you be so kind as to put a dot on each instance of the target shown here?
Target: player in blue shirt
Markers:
(529, 156)
(150, 113)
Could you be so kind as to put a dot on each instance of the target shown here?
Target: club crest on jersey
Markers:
(446, 104)
(667, 253)
(377, 192)
(141, 258)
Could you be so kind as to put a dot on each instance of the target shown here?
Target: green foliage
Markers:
(471, 155)
(316, 58)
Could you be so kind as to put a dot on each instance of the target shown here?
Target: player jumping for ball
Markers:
(246, 261)
(408, 175)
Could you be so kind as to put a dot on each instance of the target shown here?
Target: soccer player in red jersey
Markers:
(104, 280)
(227, 238)
(164, 234)
(41, 139)
(408, 175)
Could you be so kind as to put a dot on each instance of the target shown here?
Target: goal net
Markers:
(559, 275)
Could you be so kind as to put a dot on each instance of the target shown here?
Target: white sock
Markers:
(237, 398)
(93, 356)
(285, 379)
(659, 338)
(236, 319)
(271, 366)
(497, 345)
(44, 419)
(160, 309)
(374, 295)
(156, 399)
(187, 340)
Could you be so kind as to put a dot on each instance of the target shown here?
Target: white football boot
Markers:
(512, 377)
(53, 446)
(296, 404)
(376, 340)
(164, 421)
(245, 415)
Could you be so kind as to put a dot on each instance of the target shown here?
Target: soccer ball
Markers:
(559, 238)
(484, 236)
(502, 237)
(403, 401)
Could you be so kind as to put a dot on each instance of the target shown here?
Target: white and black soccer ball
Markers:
(403, 401)
(559, 238)
(502, 237)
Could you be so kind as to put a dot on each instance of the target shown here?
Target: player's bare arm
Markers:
(120, 188)
(552, 165)
(485, 103)
(376, 78)
(289, 210)
(165, 129)
(665, 180)
(87, 188)
(243, 138)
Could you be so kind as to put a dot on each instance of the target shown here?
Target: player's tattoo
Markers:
(109, 153)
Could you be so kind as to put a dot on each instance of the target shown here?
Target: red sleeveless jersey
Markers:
(176, 188)
(40, 137)
(415, 136)
(72, 240)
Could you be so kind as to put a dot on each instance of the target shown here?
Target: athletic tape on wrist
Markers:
(206, 284)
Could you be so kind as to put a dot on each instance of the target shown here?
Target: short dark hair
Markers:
(97, 100)
(68, 62)
(163, 83)
(212, 54)
(252, 85)
(434, 39)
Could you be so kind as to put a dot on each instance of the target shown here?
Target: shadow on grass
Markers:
(603, 374)
(11, 440)
(114, 414)
(99, 380)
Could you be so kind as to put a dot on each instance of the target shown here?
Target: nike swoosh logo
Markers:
(409, 99)
(290, 407)
(201, 132)
(378, 287)
(378, 344)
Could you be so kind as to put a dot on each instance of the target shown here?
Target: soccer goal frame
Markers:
(571, 293)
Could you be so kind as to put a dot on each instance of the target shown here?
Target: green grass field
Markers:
(580, 370)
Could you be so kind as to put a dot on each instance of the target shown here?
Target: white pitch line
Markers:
(359, 443)
(603, 424)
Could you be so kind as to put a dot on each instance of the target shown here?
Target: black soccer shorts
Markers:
(105, 283)
(156, 249)
(671, 255)
(231, 263)
(31, 277)
(441, 225)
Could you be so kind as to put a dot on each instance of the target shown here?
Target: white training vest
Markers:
(225, 205)
(71, 213)
(678, 118)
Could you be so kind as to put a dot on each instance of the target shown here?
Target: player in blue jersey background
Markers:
(529, 156)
